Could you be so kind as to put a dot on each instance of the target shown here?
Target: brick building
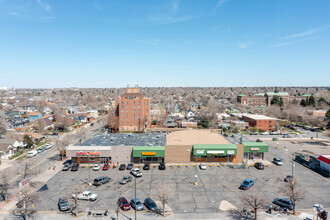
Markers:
(132, 110)
(262, 122)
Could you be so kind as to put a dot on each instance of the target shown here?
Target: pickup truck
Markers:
(87, 195)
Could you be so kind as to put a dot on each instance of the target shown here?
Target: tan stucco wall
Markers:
(178, 153)
(240, 153)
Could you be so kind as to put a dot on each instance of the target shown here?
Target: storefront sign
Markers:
(215, 152)
(230, 152)
(148, 153)
(88, 153)
(199, 151)
(254, 149)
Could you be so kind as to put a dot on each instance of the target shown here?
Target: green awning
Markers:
(250, 147)
(214, 149)
(146, 151)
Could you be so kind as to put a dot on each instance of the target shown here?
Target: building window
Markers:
(122, 115)
(139, 111)
(126, 123)
(122, 123)
(122, 119)
(139, 106)
(122, 110)
(122, 102)
(126, 129)
(139, 115)
(139, 103)
(270, 122)
(122, 106)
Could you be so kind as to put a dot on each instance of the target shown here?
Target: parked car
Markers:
(48, 146)
(68, 162)
(55, 133)
(259, 166)
(122, 166)
(106, 166)
(101, 180)
(293, 127)
(66, 167)
(63, 204)
(247, 183)
(286, 136)
(283, 203)
(92, 124)
(123, 204)
(32, 153)
(274, 133)
(254, 133)
(129, 166)
(40, 150)
(136, 172)
(126, 179)
(162, 166)
(136, 204)
(150, 204)
(288, 178)
(146, 166)
(265, 133)
(96, 167)
(202, 166)
(277, 161)
(87, 195)
(75, 167)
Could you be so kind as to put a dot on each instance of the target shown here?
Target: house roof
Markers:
(47, 116)
(4, 147)
(7, 141)
(33, 113)
(34, 135)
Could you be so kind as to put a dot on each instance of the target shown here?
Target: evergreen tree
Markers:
(303, 103)
(327, 115)
(281, 103)
(28, 140)
(275, 101)
(311, 101)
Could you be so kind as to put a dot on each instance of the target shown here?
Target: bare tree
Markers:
(26, 169)
(293, 190)
(39, 125)
(26, 205)
(163, 193)
(81, 135)
(5, 184)
(73, 194)
(103, 120)
(253, 200)
(3, 123)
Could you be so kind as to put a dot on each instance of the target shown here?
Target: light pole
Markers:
(89, 168)
(195, 173)
(135, 197)
(292, 168)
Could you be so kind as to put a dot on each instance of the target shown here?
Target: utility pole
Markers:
(89, 167)
(292, 168)
(195, 173)
(135, 197)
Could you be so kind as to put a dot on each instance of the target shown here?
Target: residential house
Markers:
(170, 123)
(190, 115)
(8, 147)
(81, 117)
(17, 122)
(33, 116)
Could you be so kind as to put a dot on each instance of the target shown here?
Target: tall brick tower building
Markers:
(133, 110)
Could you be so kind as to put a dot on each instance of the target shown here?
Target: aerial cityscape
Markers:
(167, 109)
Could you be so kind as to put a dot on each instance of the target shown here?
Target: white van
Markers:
(32, 153)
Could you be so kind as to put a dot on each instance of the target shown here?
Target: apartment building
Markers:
(262, 122)
(132, 110)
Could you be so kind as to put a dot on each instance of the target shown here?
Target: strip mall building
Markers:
(180, 147)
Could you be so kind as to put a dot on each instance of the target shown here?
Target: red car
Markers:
(105, 167)
(123, 204)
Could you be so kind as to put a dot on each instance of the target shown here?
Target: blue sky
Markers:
(112, 43)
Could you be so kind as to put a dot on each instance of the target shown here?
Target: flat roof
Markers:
(259, 117)
(147, 148)
(126, 139)
(194, 136)
(91, 148)
(254, 144)
(215, 146)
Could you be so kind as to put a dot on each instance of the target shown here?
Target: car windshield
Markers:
(90, 194)
(64, 203)
(138, 203)
(125, 202)
(246, 183)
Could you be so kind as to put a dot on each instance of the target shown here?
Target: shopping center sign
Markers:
(86, 153)
(148, 153)
(254, 148)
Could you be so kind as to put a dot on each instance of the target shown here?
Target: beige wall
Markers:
(240, 153)
(178, 153)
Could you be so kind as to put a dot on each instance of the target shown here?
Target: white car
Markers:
(48, 146)
(87, 195)
(96, 167)
(136, 172)
(202, 166)
(265, 133)
(32, 153)
(278, 161)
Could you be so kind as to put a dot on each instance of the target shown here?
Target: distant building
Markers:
(33, 116)
(132, 110)
(260, 121)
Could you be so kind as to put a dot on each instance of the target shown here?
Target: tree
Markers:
(204, 122)
(26, 205)
(81, 135)
(293, 190)
(281, 103)
(73, 194)
(26, 169)
(39, 125)
(322, 100)
(28, 140)
(5, 184)
(275, 101)
(3, 123)
(253, 200)
(163, 193)
(311, 101)
(327, 115)
(303, 103)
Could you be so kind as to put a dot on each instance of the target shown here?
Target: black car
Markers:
(146, 166)
(67, 162)
(75, 167)
(63, 204)
(101, 180)
(66, 167)
(150, 204)
(122, 166)
(259, 166)
(129, 166)
(162, 166)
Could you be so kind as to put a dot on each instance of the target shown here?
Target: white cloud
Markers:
(175, 7)
(169, 19)
(44, 5)
(242, 46)
(308, 32)
(286, 43)
(15, 13)
(220, 2)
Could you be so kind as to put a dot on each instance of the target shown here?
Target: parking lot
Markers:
(215, 184)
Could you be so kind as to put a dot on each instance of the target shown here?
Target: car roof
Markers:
(135, 200)
(248, 180)
(122, 199)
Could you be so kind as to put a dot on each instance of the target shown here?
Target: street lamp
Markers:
(293, 165)
(195, 173)
(135, 197)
